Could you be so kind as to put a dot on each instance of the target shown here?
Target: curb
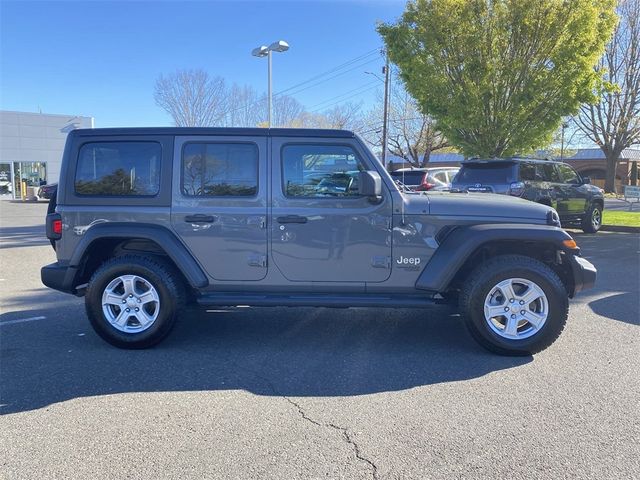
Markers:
(620, 228)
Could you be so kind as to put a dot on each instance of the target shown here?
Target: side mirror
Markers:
(586, 180)
(370, 185)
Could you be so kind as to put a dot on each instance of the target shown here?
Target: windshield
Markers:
(495, 172)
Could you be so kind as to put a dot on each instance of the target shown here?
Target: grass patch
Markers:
(616, 217)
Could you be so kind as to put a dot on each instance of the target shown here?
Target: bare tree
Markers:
(614, 122)
(412, 136)
(285, 110)
(192, 98)
(244, 107)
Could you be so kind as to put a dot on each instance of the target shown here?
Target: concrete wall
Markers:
(37, 137)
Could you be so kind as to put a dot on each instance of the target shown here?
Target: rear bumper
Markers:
(59, 277)
(584, 274)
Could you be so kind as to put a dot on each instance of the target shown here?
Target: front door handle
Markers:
(292, 219)
(200, 218)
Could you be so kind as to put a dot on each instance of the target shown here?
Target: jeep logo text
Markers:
(408, 261)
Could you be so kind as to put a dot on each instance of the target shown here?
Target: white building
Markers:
(31, 146)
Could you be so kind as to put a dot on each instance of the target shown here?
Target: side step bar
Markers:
(317, 300)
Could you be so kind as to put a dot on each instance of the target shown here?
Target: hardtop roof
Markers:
(206, 131)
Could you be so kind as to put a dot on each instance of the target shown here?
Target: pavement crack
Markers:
(345, 435)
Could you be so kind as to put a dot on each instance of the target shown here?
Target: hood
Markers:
(485, 206)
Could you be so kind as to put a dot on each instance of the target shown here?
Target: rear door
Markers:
(219, 206)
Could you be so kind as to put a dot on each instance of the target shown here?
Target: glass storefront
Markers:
(22, 178)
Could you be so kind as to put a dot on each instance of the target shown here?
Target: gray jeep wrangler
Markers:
(148, 219)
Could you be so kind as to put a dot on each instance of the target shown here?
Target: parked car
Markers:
(425, 179)
(47, 191)
(148, 219)
(548, 182)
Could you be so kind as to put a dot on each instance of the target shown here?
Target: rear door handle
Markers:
(292, 219)
(199, 218)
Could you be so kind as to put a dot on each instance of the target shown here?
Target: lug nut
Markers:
(137, 309)
(511, 300)
(522, 312)
(521, 302)
(138, 300)
(513, 316)
(128, 310)
(131, 296)
(506, 309)
(124, 301)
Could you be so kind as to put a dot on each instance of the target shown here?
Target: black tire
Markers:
(489, 274)
(589, 223)
(160, 275)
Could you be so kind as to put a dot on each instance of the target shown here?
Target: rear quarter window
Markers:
(118, 169)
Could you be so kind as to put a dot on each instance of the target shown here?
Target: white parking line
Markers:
(22, 320)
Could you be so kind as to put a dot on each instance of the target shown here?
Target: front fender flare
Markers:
(463, 241)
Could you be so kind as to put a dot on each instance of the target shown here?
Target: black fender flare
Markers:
(164, 237)
(463, 241)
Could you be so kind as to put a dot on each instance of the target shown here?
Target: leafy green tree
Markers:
(499, 75)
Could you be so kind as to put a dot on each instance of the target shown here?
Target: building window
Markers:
(119, 169)
(220, 169)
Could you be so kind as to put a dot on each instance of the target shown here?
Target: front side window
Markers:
(568, 174)
(321, 171)
(527, 172)
(549, 173)
(119, 169)
(220, 169)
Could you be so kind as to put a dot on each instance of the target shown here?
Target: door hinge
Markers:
(257, 260)
(381, 261)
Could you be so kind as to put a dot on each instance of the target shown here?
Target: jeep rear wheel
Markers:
(132, 301)
(514, 305)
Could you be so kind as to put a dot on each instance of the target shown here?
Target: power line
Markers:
(342, 95)
(350, 96)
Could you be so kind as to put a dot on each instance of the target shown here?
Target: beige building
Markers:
(31, 146)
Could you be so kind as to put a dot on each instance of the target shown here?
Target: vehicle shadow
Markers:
(293, 352)
(23, 236)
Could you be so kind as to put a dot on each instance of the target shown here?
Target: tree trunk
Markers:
(634, 174)
(426, 157)
(610, 178)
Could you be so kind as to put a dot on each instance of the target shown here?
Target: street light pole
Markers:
(385, 114)
(269, 92)
(264, 51)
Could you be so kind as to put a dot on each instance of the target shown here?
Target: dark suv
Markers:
(145, 220)
(544, 181)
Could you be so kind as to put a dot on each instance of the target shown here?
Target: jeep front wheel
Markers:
(132, 301)
(514, 305)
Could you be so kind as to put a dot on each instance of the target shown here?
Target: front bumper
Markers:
(584, 274)
(59, 277)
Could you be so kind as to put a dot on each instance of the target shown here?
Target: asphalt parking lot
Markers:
(314, 393)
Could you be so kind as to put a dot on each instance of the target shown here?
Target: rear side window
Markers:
(220, 169)
(527, 172)
(118, 169)
(320, 171)
(491, 173)
(549, 173)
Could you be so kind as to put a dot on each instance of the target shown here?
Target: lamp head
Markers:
(261, 51)
(279, 46)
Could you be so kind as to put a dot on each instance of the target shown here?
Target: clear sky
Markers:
(101, 59)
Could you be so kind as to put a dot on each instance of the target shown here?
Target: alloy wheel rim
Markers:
(516, 308)
(130, 303)
(596, 217)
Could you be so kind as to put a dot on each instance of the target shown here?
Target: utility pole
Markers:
(564, 126)
(385, 121)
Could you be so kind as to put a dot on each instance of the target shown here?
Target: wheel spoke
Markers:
(535, 319)
(492, 311)
(128, 283)
(121, 319)
(506, 287)
(511, 327)
(147, 297)
(111, 298)
(531, 295)
(143, 317)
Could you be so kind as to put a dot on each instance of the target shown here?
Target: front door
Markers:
(219, 206)
(322, 229)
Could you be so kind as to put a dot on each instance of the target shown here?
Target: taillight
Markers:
(425, 185)
(54, 226)
(516, 189)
